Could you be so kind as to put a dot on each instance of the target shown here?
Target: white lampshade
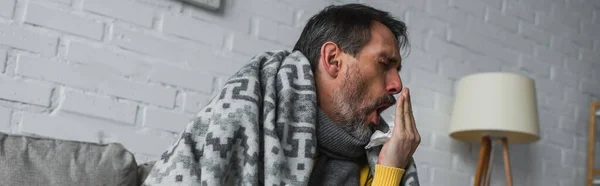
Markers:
(495, 104)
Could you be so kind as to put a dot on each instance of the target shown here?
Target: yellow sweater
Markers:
(384, 176)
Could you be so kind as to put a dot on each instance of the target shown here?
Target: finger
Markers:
(399, 117)
(410, 111)
(416, 132)
(413, 125)
(408, 124)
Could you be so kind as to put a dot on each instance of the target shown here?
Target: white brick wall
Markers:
(495, 17)
(193, 29)
(519, 10)
(474, 7)
(19, 37)
(2, 60)
(277, 32)
(136, 71)
(6, 8)
(533, 66)
(63, 21)
(531, 32)
(187, 79)
(139, 91)
(97, 106)
(449, 177)
(29, 92)
(136, 40)
(121, 10)
(166, 120)
(111, 59)
(75, 75)
(195, 102)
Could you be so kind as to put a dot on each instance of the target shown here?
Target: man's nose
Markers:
(394, 84)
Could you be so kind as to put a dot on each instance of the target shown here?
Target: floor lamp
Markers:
(494, 106)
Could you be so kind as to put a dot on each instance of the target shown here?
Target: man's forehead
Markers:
(388, 45)
(383, 44)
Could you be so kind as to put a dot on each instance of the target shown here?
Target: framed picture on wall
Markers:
(208, 4)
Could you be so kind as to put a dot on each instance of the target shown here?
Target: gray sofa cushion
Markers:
(26, 160)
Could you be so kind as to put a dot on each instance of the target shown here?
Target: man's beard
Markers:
(347, 101)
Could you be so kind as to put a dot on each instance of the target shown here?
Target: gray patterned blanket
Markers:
(258, 130)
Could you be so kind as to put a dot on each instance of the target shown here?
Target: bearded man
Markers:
(306, 116)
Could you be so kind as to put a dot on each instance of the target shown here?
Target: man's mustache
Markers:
(384, 100)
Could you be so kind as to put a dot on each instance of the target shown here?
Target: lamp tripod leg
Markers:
(483, 161)
(507, 171)
(490, 165)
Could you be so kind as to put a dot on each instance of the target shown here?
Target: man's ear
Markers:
(330, 55)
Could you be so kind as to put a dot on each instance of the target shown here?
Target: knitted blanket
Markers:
(258, 130)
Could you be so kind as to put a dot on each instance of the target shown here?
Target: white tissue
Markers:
(378, 138)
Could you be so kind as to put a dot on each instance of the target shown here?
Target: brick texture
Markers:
(193, 29)
(520, 11)
(278, 32)
(506, 22)
(121, 10)
(3, 56)
(531, 32)
(474, 7)
(28, 40)
(185, 78)
(447, 177)
(165, 120)
(74, 75)
(30, 92)
(147, 44)
(139, 91)
(119, 62)
(64, 21)
(101, 107)
(7, 7)
(195, 102)
(136, 71)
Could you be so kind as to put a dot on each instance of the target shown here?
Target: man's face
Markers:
(369, 81)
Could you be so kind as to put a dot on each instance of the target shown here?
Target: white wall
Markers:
(134, 71)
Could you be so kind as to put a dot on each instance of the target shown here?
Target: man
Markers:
(305, 117)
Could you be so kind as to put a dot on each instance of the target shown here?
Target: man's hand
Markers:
(397, 151)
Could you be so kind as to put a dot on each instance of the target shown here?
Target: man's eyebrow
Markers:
(387, 58)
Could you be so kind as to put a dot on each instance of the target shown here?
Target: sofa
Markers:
(30, 160)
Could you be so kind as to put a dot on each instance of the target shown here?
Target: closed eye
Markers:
(385, 64)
